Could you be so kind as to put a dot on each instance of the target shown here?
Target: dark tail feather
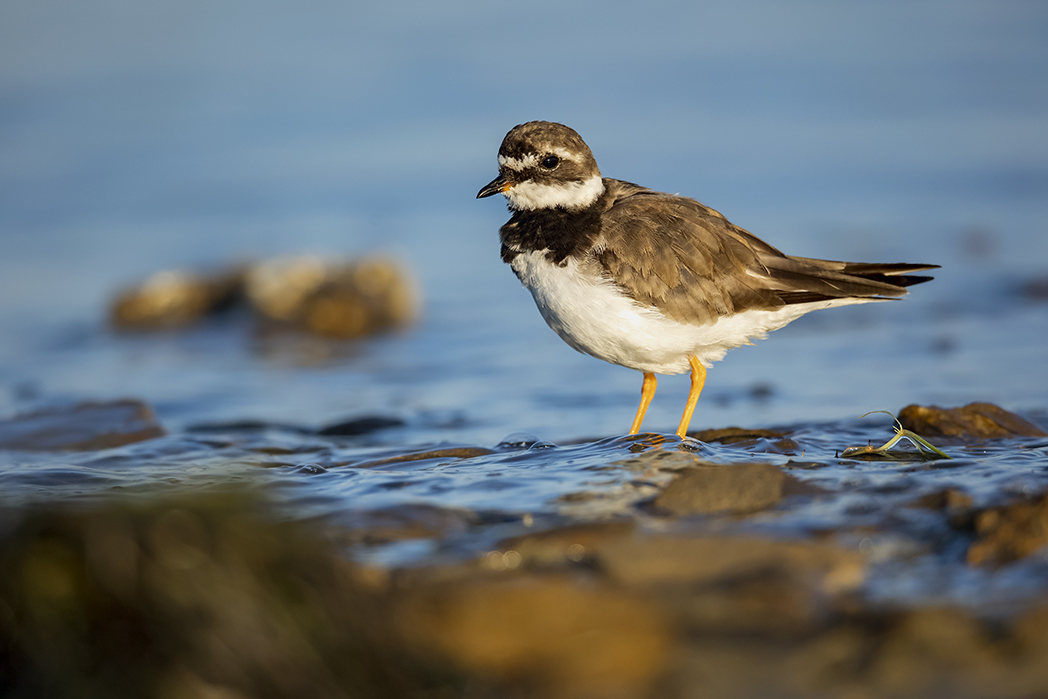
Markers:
(827, 279)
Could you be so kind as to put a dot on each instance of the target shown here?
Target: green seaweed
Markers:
(925, 450)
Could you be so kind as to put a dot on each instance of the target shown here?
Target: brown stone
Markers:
(735, 435)
(648, 560)
(735, 488)
(82, 427)
(552, 634)
(333, 299)
(574, 542)
(973, 421)
(1009, 532)
(174, 299)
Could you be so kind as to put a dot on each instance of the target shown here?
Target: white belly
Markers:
(592, 315)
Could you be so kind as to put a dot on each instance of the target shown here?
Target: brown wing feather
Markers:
(695, 266)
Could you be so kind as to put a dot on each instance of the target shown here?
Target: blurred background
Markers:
(136, 137)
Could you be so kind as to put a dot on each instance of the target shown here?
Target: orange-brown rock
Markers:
(1009, 532)
(656, 560)
(973, 421)
(551, 634)
(174, 299)
(337, 299)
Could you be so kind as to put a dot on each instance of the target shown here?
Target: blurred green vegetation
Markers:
(203, 597)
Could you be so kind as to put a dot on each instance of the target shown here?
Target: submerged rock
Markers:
(709, 488)
(81, 427)
(973, 421)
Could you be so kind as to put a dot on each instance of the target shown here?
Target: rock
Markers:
(700, 560)
(333, 299)
(399, 523)
(82, 427)
(735, 435)
(736, 488)
(449, 453)
(973, 421)
(574, 542)
(174, 299)
(360, 426)
(1009, 532)
(550, 634)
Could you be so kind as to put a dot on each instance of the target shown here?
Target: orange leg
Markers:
(647, 392)
(698, 380)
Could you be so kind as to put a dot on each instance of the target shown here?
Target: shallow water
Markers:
(127, 149)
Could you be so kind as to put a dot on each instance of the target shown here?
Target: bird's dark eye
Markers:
(550, 162)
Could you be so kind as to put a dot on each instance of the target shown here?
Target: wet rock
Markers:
(973, 421)
(573, 543)
(402, 522)
(736, 488)
(541, 636)
(360, 426)
(769, 441)
(333, 299)
(735, 435)
(174, 299)
(1009, 532)
(82, 427)
(649, 560)
(449, 453)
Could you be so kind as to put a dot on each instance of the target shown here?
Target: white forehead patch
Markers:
(531, 159)
(529, 196)
(518, 164)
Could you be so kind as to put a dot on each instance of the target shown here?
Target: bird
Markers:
(655, 282)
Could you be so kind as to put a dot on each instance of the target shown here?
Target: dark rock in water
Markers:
(175, 299)
(973, 421)
(247, 426)
(1009, 532)
(736, 488)
(400, 522)
(361, 425)
(333, 299)
(449, 453)
(82, 427)
(735, 435)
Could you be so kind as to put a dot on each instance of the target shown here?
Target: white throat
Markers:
(529, 196)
